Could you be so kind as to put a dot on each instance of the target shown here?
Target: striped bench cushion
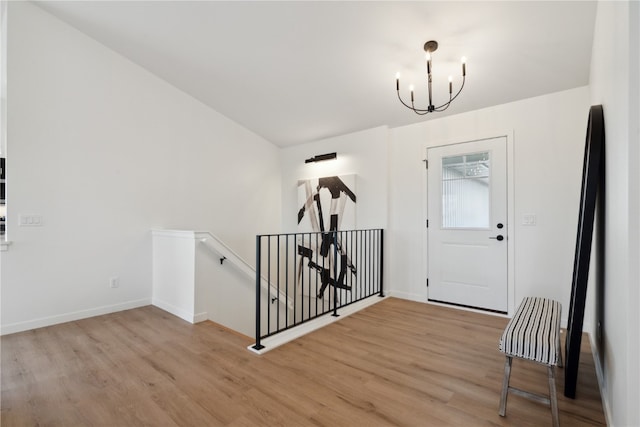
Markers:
(533, 332)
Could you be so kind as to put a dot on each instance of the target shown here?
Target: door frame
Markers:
(510, 142)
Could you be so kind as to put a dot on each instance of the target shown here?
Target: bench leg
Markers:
(505, 386)
(553, 401)
(560, 361)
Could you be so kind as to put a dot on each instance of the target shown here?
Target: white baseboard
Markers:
(407, 296)
(176, 311)
(42, 322)
(600, 375)
(200, 317)
(290, 334)
(424, 299)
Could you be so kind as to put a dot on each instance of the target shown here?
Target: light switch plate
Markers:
(30, 220)
(529, 219)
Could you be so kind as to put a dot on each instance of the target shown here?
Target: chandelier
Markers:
(431, 47)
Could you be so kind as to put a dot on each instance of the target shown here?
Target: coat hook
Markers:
(222, 259)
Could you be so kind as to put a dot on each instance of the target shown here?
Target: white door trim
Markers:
(509, 135)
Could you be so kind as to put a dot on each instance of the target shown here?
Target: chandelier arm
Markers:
(442, 108)
(415, 110)
(452, 99)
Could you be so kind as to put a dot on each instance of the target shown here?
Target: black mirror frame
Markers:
(592, 189)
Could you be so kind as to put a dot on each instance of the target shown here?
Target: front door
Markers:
(467, 229)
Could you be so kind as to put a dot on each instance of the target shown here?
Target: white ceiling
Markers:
(294, 72)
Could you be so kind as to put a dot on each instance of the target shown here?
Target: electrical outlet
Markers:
(114, 282)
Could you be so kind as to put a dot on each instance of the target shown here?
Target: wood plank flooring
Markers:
(397, 363)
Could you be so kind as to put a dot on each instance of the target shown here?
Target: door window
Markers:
(465, 191)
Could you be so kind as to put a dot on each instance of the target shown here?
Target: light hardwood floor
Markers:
(397, 363)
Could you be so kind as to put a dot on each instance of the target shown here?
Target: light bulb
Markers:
(411, 88)
(398, 75)
(464, 60)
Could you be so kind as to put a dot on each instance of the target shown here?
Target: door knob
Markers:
(499, 237)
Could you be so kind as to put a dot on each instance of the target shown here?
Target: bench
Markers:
(533, 334)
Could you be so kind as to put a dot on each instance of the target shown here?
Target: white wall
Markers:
(614, 84)
(3, 76)
(633, 331)
(362, 153)
(547, 134)
(105, 151)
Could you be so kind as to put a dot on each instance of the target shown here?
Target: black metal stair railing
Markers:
(314, 274)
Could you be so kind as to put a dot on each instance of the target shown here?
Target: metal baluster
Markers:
(286, 279)
(381, 261)
(368, 263)
(316, 281)
(361, 264)
(335, 274)
(278, 282)
(258, 346)
(309, 292)
(268, 285)
(295, 276)
(375, 264)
